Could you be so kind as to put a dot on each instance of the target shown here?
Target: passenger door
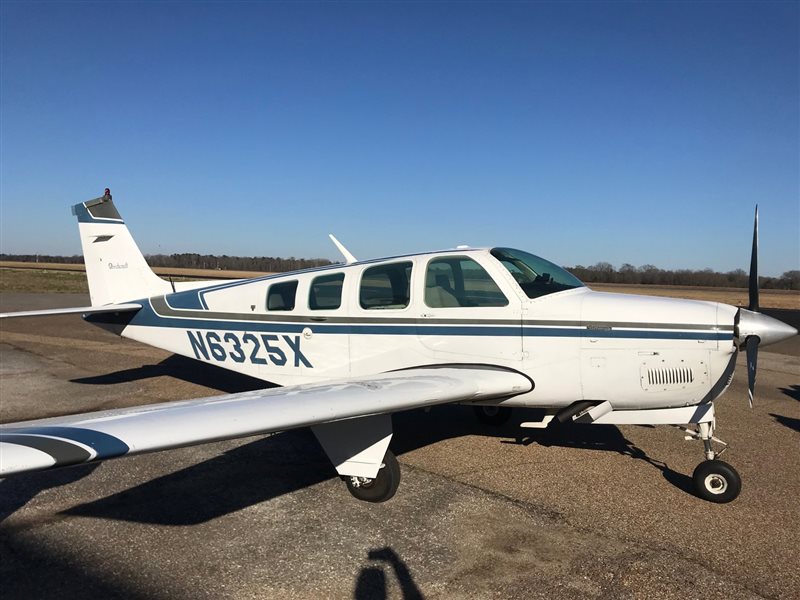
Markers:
(465, 314)
(326, 337)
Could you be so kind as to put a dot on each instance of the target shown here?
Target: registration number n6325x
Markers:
(258, 349)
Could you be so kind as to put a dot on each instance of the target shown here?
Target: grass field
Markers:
(175, 272)
(732, 296)
(51, 282)
(43, 279)
(55, 282)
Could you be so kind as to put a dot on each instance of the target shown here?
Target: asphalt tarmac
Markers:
(596, 512)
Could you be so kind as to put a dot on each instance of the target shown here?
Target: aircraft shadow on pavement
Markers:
(291, 461)
(793, 391)
(185, 369)
(16, 492)
(787, 421)
(35, 568)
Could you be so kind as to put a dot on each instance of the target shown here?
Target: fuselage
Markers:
(462, 306)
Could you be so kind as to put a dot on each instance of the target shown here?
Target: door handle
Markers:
(319, 318)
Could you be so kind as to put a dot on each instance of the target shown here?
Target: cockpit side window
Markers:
(281, 296)
(460, 281)
(536, 276)
(326, 292)
(386, 286)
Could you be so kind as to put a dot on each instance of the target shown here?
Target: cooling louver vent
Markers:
(672, 372)
(675, 376)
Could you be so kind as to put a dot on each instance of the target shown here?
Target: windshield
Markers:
(536, 276)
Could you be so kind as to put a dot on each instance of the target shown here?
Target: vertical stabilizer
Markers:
(115, 268)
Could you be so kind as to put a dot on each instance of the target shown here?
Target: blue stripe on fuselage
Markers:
(147, 317)
(184, 300)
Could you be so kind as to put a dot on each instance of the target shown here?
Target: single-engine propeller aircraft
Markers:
(353, 343)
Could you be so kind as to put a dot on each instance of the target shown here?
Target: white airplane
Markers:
(353, 343)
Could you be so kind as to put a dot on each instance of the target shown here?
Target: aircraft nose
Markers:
(768, 329)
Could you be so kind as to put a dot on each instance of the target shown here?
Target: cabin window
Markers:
(460, 281)
(386, 286)
(536, 276)
(281, 295)
(326, 292)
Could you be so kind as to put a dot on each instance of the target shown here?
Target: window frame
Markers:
(341, 290)
(462, 257)
(410, 279)
(296, 283)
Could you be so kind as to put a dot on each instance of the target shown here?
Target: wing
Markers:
(75, 439)
(86, 310)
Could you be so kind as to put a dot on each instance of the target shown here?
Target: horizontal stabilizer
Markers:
(86, 310)
(75, 439)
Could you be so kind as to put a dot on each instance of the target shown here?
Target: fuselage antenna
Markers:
(349, 259)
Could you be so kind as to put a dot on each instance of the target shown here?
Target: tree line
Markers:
(234, 263)
(604, 272)
(601, 272)
(189, 260)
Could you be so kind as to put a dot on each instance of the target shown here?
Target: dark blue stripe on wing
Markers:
(105, 445)
(62, 452)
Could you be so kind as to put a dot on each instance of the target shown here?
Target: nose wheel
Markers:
(716, 481)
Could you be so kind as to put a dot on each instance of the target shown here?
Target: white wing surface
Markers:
(87, 437)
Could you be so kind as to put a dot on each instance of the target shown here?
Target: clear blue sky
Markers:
(583, 132)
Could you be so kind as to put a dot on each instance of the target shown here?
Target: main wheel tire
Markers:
(380, 489)
(492, 415)
(716, 481)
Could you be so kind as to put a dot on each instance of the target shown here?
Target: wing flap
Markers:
(86, 310)
(107, 434)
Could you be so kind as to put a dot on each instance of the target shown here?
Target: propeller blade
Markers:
(753, 305)
(751, 347)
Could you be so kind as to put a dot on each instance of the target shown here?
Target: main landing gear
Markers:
(380, 489)
(492, 415)
(714, 480)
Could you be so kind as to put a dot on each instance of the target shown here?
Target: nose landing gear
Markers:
(714, 480)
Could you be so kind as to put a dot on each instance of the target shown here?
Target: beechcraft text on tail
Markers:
(352, 343)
